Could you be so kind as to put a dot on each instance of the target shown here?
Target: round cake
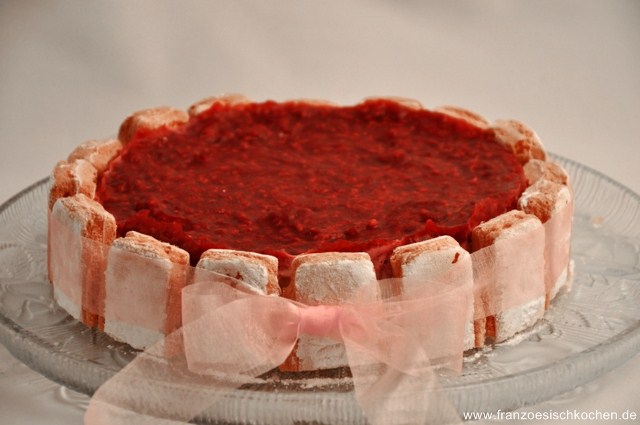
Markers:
(306, 200)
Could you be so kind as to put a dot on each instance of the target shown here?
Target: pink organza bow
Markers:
(394, 347)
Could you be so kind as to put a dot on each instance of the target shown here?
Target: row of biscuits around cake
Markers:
(138, 302)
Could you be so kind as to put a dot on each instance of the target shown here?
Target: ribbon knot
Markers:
(320, 320)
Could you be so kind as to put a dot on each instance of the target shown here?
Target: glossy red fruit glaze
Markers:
(291, 178)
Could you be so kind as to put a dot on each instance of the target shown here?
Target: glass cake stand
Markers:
(588, 331)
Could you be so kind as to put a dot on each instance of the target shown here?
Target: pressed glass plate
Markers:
(588, 331)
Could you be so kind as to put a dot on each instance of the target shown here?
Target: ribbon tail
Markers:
(148, 391)
(189, 371)
(395, 384)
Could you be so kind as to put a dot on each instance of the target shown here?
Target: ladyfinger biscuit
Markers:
(552, 203)
(328, 279)
(69, 178)
(97, 152)
(544, 198)
(431, 259)
(465, 115)
(520, 139)
(144, 280)
(537, 169)
(404, 101)
(205, 104)
(151, 119)
(514, 275)
(80, 231)
(257, 272)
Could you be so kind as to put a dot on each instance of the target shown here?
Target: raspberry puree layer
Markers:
(291, 178)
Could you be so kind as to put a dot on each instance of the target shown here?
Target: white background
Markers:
(72, 70)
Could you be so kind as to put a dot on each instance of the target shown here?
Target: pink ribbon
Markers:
(229, 337)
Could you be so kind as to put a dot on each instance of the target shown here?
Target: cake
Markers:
(309, 201)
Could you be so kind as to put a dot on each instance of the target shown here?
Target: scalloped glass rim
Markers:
(607, 217)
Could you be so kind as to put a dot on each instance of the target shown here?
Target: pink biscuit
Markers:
(430, 259)
(514, 265)
(151, 119)
(97, 152)
(551, 202)
(205, 104)
(71, 178)
(144, 279)
(544, 198)
(404, 101)
(537, 169)
(520, 139)
(318, 102)
(465, 115)
(329, 278)
(258, 272)
(80, 229)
